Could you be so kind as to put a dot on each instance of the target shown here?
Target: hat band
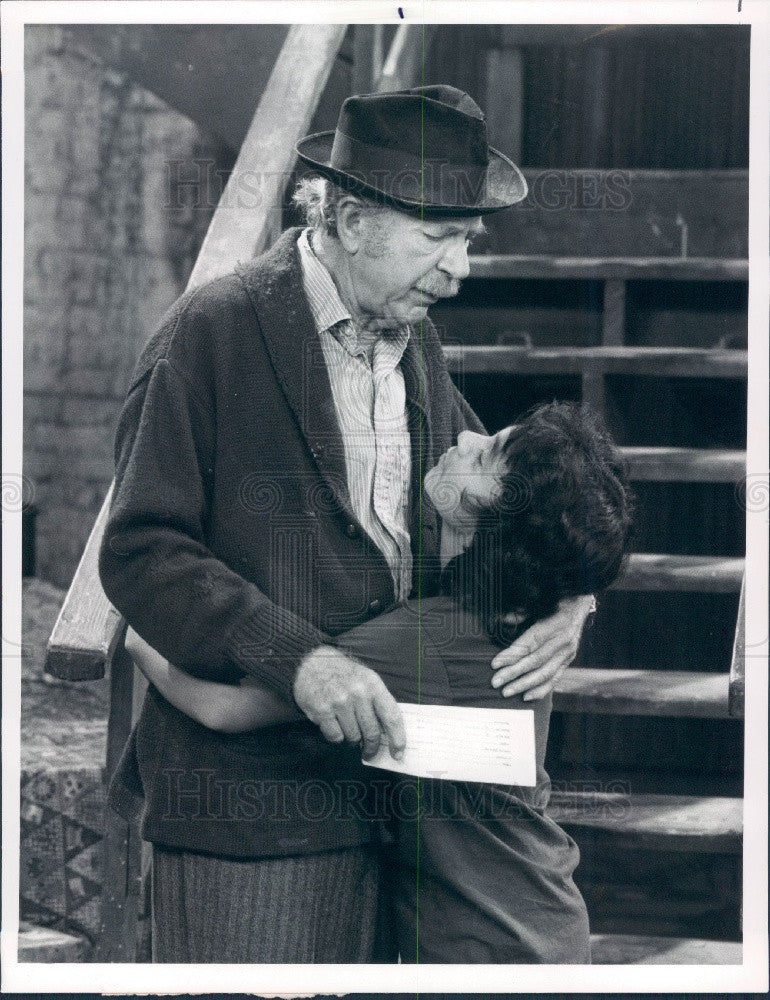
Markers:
(405, 176)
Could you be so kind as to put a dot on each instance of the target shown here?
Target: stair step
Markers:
(649, 821)
(602, 268)
(705, 574)
(682, 362)
(639, 949)
(682, 693)
(685, 465)
(43, 944)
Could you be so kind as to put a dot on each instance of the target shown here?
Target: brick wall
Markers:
(110, 238)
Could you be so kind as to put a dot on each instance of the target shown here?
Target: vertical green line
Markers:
(419, 520)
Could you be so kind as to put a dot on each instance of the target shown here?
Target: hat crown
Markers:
(437, 122)
(422, 149)
(451, 96)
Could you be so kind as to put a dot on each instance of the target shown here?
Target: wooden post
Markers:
(614, 313)
(594, 389)
(121, 844)
(367, 57)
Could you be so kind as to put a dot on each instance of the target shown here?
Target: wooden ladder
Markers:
(87, 640)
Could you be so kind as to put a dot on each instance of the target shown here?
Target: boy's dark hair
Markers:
(560, 527)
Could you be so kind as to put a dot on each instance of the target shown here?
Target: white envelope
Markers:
(494, 745)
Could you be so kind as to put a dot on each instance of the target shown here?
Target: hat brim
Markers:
(505, 185)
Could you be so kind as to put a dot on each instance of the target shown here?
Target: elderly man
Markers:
(268, 495)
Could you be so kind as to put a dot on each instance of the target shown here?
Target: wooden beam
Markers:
(609, 268)
(738, 662)
(673, 693)
(404, 62)
(249, 214)
(88, 629)
(685, 465)
(657, 362)
(646, 949)
(654, 822)
(702, 574)
(44, 944)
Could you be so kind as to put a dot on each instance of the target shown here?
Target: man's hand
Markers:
(348, 701)
(536, 660)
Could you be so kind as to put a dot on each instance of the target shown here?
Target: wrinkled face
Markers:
(405, 264)
(468, 478)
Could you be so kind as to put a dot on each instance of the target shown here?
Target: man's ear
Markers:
(349, 223)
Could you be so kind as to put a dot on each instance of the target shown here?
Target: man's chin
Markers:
(418, 312)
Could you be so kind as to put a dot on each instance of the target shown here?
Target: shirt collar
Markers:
(329, 311)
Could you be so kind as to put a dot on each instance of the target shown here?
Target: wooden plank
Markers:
(242, 226)
(672, 693)
(642, 949)
(44, 944)
(88, 627)
(87, 630)
(657, 362)
(685, 465)
(653, 822)
(609, 268)
(703, 574)
(738, 661)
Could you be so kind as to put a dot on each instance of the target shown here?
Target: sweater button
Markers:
(375, 607)
(351, 530)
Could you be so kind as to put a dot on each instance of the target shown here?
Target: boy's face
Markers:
(468, 478)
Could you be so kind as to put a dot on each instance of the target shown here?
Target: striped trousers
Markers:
(313, 908)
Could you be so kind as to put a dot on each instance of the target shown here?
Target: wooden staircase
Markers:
(87, 639)
(624, 820)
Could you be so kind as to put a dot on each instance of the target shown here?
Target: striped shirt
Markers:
(370, 402)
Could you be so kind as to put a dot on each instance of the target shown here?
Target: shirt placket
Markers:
(390, 495)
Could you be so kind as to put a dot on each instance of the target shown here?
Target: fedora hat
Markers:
(422, 150)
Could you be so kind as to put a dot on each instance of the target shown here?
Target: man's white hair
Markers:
(319, 198)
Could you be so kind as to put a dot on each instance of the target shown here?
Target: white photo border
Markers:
(752, 974)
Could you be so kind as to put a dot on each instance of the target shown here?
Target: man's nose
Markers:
(455, 260)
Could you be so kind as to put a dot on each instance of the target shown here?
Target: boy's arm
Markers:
(223, 707)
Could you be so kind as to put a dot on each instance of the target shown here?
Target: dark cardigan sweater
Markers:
(232, 548)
